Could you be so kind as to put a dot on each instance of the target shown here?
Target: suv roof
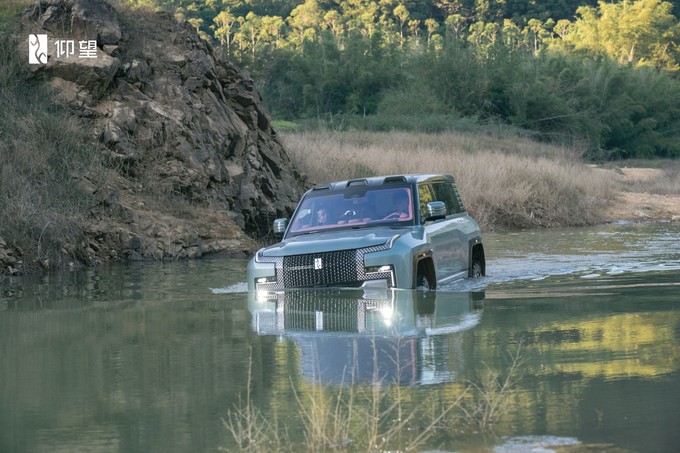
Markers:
(376, 181)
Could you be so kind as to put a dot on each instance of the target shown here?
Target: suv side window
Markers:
(460, 207)
(446, 192)
(425, 195)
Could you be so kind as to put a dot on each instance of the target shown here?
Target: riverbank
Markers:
(508, 182)
(636, 200)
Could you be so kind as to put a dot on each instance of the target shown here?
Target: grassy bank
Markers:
(43, 151)
(508, 182)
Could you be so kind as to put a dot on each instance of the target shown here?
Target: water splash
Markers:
(240, 287)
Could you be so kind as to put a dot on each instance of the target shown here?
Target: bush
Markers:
(620, 111)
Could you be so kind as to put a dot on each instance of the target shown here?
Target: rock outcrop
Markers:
(174, 121)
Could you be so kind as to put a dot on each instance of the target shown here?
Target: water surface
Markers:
(152, 357)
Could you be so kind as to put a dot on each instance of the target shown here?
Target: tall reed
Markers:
(506, 182)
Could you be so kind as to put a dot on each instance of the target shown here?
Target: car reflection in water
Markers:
(382, 336)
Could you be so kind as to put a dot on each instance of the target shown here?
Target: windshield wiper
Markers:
(302, 233)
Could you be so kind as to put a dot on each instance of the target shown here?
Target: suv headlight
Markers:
(383, 268)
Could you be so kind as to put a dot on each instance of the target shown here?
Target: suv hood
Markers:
(331, 241)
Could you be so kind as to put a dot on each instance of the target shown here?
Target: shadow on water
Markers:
(354, 336)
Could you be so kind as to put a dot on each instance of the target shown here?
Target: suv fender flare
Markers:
(424, 259)
(476, 253)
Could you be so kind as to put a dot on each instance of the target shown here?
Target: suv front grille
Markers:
(335, 268)
(320, 269)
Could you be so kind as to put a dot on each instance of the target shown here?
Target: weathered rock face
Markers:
(172, 118)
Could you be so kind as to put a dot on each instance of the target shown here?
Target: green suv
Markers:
(404, 231)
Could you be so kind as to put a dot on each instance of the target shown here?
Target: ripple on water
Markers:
(586, 254)
(534, 444)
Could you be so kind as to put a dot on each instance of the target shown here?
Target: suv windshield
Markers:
(324, 210)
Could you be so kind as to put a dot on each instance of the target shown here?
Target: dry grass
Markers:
(490, 399)
(660, 181)
(44, 153)
(380, 416)
(251, 430)
(355, 417)
(506, 182)
(335, 419)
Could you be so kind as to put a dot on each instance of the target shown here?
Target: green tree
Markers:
(512, 35)
(271, 29)
(562, 28)
(249, 34)
(483, 36)
(635, 32)
(431, 25)
(196, 23)
(451, 7)
(534, 31)
(361, 15)
(414, 26)
(455, 24)
(401, 13)
(224, 28)
(305, 22)
(522, 62)
(333, 21)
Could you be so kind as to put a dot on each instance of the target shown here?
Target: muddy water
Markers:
(152, 357)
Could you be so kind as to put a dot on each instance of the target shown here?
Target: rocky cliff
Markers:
(173, 122)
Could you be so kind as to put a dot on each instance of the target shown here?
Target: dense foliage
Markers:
(605, 73)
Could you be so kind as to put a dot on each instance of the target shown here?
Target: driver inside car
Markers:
(401, 206)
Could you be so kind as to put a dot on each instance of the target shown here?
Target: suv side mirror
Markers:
(436, 210)
(280, 226)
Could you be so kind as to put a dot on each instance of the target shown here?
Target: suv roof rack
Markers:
(390, 179)
(357, 182)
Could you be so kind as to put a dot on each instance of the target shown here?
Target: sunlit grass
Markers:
(506, 182)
